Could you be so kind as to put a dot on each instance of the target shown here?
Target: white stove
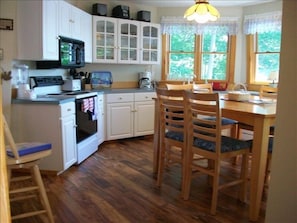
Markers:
(86, 112)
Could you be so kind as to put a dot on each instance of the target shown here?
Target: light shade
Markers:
(273, 76)
(202, 12)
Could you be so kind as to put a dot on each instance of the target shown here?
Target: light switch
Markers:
(1, 54)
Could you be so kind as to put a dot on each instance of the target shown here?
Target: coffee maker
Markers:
(145, 80)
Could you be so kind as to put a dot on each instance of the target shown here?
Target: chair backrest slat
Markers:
(171, 110)
(203, 87)
(179, 86)
(10, 139)
(268, 92)
(200, 105)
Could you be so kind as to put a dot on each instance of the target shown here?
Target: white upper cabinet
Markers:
(125, 41)
(77, 24)
(128, 42)
(104, 39)
(41, 22)
(150, 43)
(69, 20)
(86, 35)
(37, 24)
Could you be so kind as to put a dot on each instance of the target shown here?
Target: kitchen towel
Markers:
(87, 105)
(90, 106)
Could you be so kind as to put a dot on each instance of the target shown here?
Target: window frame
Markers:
(230, 67)
(252, 52)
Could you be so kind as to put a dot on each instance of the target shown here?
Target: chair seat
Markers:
(175, 136)
(270, 144)
(228, 144)
(225, 121)
(29, 148)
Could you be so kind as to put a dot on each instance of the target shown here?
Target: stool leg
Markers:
(8, 177)
(43, 194)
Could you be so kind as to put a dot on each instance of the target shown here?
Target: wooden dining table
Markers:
(259, 113)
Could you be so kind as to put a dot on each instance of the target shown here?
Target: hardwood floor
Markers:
(116, 185)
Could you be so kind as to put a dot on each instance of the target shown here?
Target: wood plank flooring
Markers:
(116, 185)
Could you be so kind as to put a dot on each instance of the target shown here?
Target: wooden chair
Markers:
(172, 131)
(202, 87)
(265, 92)
(179, 86)
(268, 92)
(269, 156)
(226, 122)
(22, 187)
(204, 139)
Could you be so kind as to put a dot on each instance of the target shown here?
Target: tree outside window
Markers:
(214, 56)
(213, 51)
(181, 56)
(198, 51)
(267, 55)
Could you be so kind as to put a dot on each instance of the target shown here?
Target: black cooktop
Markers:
(70, 93)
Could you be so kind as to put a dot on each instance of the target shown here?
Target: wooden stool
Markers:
(26, 155)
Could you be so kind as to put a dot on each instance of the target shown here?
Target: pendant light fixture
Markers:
(202, 12)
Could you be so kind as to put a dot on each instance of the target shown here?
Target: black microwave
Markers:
(71, 55)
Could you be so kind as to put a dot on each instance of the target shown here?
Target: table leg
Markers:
(156, 140)
(259, 160)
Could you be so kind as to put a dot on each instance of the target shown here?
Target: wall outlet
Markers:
(1, 54)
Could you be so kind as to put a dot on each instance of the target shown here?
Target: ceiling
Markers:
(187, 3)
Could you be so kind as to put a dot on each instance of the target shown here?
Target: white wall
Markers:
(282, 196)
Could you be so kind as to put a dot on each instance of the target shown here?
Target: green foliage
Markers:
(214, 55)
(181, 65)
(267, 58)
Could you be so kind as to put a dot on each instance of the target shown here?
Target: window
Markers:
(181, 56)
(267, 54)
(199, 52)
(214, 56)
(264, 42)
(209, 52)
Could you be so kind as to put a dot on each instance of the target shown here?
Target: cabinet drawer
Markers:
(145, 96)
(67, 109)
(116, 98)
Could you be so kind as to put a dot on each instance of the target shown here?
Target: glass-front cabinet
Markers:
(150, 43)
(128, 41)
(125, 41)
(105, 39)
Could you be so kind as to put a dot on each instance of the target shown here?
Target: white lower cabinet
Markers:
(68, 124)
(144, 114)
(52, 123)
(129, 115)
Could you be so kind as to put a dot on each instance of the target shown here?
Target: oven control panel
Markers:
(42, 81)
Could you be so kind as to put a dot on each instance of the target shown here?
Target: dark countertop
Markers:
(43, 100)
(62, 100)
(124, 90)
